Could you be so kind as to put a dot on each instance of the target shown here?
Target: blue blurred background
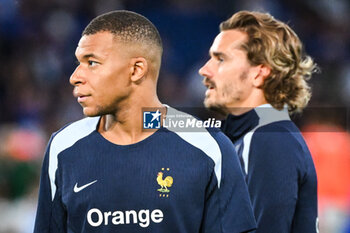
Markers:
(37, 44)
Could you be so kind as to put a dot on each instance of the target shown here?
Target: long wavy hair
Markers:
(275, 44)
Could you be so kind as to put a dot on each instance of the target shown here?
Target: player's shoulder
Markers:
(278, 133)
(224, 142)
(79, 127)
(280, 140)
(72, 132)
(208, 139)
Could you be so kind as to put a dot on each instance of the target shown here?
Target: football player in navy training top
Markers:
(256, 73)
(105, 173)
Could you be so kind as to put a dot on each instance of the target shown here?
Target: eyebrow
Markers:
(89, 55)
(217, 54)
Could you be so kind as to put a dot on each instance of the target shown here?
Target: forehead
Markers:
(229, 40)
(100, 44)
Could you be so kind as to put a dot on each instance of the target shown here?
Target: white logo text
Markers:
(96, 217)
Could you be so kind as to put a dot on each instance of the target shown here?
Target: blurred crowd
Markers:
(37, 44)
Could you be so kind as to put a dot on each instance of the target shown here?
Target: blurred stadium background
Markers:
(37, 43)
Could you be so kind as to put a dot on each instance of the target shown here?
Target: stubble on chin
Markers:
(215, 107)
(89, 114)
(93, 112)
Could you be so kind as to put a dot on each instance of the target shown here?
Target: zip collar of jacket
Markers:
(236, 126)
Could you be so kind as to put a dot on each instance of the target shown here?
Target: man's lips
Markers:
(209, 84)
(80, 96)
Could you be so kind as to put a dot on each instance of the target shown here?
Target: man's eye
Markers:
(93, 63)
(220, 59)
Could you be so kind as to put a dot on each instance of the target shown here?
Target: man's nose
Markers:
(205, 71)
(76, 77)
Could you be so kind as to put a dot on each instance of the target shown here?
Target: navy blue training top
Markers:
(279, 170)
(171, 182)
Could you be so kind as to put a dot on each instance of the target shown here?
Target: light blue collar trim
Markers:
(268, 114)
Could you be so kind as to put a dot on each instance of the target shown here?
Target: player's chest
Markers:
(131, 181)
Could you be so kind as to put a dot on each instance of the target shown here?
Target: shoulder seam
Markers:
(204, 141)
(64, 139)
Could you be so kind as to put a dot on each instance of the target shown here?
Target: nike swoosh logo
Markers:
(78, 189)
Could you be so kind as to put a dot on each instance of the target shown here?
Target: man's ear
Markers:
(139, 69)
(263, 71)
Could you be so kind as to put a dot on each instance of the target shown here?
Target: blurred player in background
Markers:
(256, 74)
(105, 173)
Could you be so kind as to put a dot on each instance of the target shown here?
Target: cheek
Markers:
(230, 87)
(225, 80)
(227, 89)
(103, 92)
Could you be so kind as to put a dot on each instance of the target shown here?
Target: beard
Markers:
(215, 107)
(223, 96)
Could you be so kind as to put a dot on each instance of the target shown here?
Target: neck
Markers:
(125, 126)
(256, 99)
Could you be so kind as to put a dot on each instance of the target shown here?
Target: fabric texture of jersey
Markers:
(169, 182)
(278, 167)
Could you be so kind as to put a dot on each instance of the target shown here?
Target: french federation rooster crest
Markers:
(164, 184)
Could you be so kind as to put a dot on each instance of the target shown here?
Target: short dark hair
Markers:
(127, 26)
